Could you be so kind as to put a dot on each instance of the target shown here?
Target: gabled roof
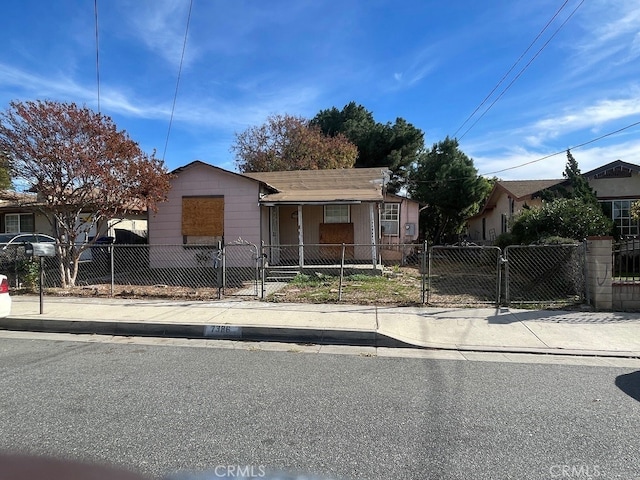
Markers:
(189, 165)
(322, 186)
(615, 169)
(516, 189)
(519, 189)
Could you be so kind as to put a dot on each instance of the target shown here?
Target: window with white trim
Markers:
(337, 214)
(390, 219)
(620, 212)
(19, 223)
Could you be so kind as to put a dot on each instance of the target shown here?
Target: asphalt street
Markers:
(157, 409)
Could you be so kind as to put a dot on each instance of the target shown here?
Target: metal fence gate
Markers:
(464, 275)
(549, 275)
(241, 263)
(545, 274)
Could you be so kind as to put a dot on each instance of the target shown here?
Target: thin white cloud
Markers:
(591, 117)
(501, 163)
(611, 33)
(161, 27)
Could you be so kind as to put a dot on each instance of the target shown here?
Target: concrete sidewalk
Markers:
(485, 329)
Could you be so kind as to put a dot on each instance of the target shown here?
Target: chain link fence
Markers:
(464, 275)
(545, 274)
(406, 274)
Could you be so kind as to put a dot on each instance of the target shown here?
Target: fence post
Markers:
(600, 268)
(263, 261)
(502, 260)
(112, 268)
(224, 268)
(341, 274)
(423, 266)
(585, 272)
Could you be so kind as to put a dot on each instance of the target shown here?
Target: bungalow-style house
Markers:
(616, 185)
(332, 207)
(506, 200)
(293, 213)
(20, 213)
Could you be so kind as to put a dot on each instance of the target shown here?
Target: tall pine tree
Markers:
(578, 186)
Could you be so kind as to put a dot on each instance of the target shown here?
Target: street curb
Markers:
(271, 334)
(202, 331)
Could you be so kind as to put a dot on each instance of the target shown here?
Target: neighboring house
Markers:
(20, 213)
(506, 200)
(616, 185)
(293, 213)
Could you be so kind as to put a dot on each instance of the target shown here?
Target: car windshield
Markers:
(6, 238)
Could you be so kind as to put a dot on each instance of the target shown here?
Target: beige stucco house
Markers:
(616, 185)
(506, 200)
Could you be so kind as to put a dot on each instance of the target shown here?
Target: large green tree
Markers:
(394, 145)
(447, 183)
(578, 186)
(287, 142)
(575, 186)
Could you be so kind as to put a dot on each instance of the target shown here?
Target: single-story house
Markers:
(292, 213)
(332, 207)
(20, 213)
(616, 185)
(505, 201)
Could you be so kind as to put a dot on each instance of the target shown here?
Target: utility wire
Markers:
(175, 96)
(522, 70)
(575, 147)
(95, 9)
(512, 67)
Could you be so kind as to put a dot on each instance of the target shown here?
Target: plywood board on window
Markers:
(336, 233)
(203, 216)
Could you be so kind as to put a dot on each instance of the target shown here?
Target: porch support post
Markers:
(372, 221)
(300, 238)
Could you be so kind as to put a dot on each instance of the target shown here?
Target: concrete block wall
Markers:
(599, 272)
(626, 297)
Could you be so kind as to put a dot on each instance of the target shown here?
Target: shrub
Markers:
(568, 218)
(505, 239)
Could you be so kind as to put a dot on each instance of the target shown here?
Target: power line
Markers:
(561, 152)
(95, 9)
(512, 67)
(175, 96)
(522, 70)
(575, 147)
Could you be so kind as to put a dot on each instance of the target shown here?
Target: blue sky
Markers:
(431, 63)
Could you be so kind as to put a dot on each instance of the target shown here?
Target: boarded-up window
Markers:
(203, 216)
(336, 234)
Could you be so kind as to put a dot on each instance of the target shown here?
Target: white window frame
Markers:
(621, 216)
(19, 222)
(390, 215)
(332, 213)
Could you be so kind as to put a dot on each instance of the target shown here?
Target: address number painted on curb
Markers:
(224, 331)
